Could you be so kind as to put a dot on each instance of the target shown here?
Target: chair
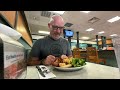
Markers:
(92, 55)
(77, 53)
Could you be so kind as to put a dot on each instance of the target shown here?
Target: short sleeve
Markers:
(35, 52)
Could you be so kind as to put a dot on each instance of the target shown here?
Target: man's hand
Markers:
(49, 60)
(33, 61)
(63, 57)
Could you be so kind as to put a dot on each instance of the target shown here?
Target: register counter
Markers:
(90, 71)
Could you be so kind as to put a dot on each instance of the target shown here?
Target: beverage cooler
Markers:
(12, 58)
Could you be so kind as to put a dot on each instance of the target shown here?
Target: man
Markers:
(45, 50)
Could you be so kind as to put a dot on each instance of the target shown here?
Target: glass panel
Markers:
(116, 44)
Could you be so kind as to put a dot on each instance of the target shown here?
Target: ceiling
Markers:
(38, 20)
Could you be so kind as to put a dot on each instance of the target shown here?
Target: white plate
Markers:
(69, 69)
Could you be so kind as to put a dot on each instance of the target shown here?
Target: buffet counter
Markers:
(90, 71)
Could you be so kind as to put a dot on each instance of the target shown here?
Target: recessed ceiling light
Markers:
(114, 19)
(85, 11)
(59, 12)
(90, 29)
(114, 35)
(101, 32)
(44, 32)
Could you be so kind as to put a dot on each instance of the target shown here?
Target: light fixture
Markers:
(59, 12)
(85, 11)
(44, 32)
(85, 38)
(114, 19)
(101, 32)
(37, 37)
(98, 39)
(114, 35)
(90, 29)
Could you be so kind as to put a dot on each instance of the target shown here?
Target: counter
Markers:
(90, 71)
(109, 55)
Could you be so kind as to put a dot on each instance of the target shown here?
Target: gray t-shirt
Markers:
(48, 46)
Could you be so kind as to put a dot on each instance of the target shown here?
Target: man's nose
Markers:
(58, 30)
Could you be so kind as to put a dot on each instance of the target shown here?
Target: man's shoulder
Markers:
(43, 38)
(63, 39)
(40, 40)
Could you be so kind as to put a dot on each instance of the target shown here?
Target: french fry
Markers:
(66, 60)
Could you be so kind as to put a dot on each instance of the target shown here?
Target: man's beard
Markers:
(56, 36)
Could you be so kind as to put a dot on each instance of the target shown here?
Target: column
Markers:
(97, 41)
(103, 38)
(69, 39)
(77, 39)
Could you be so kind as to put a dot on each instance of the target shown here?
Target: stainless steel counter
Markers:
(90, 71)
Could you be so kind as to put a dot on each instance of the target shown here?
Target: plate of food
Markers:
(69, 68)
(69, 64)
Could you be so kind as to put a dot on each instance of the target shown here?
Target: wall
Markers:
(108, 41)
(81, 45)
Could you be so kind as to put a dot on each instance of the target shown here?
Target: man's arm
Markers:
(34, 54)
(34, 61)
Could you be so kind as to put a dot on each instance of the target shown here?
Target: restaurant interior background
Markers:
(89, 25)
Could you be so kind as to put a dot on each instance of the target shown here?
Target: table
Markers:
(90, 71)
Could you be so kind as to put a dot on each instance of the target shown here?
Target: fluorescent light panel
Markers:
(90, 29)
(114, 35)
(59, 12)
(85, 11)
(36, 37)
(114, 19)
(44, 32)
(101, 32)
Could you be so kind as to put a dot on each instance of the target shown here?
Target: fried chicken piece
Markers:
(62, 64)
(57, 61)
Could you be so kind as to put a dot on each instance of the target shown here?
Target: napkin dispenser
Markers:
(12, 58)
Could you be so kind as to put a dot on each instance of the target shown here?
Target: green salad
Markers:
(77, 62)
